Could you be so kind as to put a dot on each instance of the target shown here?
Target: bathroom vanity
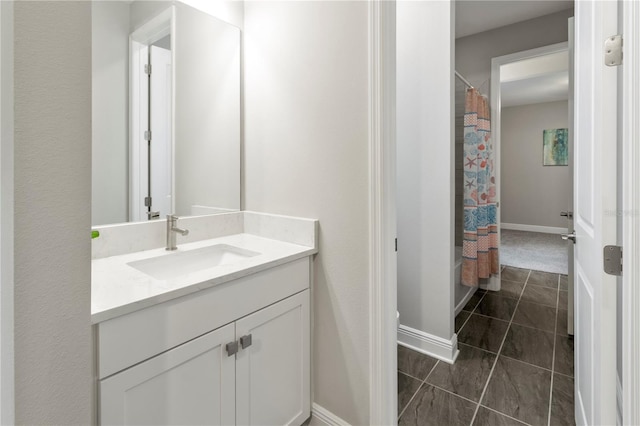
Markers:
(216, 332)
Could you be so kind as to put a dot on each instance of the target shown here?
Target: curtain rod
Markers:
(464, 80)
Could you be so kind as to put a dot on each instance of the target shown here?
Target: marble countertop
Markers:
(118, 289)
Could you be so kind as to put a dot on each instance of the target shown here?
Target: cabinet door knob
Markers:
(245, 341)
(232, 348)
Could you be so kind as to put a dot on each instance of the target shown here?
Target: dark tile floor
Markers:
(515, 365)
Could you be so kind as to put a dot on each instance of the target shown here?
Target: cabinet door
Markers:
(273, 384)
(191, 384)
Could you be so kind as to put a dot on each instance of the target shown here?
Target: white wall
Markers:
(425, 149)
(532, 194)
(110, 112)
(306, 154)
(474, 52)
(53, 343)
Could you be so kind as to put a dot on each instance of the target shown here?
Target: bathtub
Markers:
(462, 293)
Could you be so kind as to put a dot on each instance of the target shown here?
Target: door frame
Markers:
(383, 295)
(631, 214)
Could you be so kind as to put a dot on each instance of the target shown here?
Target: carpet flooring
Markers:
(534, 250)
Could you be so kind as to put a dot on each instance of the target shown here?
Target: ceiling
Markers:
(535, 80)
(476, 16)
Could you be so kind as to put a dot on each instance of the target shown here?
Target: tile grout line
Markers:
(553, 360)
(471, 312)
(503, 414)
(504, 338)
(451, 393)
(422, 383)
(477, 304)
(527, 363)
(413, 377)
(562, 374)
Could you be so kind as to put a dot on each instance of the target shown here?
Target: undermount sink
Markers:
(184, 262)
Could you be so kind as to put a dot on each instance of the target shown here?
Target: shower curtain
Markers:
(480, 242)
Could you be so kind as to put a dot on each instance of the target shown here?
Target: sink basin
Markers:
(173, 265)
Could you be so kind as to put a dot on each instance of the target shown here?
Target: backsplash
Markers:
(139, 236)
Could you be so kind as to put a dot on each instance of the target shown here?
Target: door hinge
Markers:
(612, 260)
(147, 69)
(147, 135)
(147, 201)
(613, 51)
(568, 215)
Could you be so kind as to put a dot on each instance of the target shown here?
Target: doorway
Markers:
(532, 110)
(591, 31)
(490, 327)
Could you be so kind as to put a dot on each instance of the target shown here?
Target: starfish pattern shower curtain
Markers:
(480, 242)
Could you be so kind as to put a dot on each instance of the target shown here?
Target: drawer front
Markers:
(140, 335)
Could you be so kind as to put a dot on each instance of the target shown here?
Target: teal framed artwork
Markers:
(555, 147)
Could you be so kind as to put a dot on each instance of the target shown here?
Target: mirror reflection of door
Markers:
(160, 164)
(151, 183)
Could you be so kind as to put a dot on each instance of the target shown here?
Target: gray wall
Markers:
(532, 194)
(306, 154)
(474, 52)
(53, 343)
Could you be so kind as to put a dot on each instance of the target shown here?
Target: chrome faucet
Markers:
(172, 230)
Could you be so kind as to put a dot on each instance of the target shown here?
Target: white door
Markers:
(139, 123)
(595, 142)
(193, 384)
(570, 226)
(272, 370)
(161, 165)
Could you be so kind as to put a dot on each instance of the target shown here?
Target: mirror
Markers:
(165, 112)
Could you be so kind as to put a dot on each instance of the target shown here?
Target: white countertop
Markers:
(118, 289)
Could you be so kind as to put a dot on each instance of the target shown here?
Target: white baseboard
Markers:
(533, 228)
(428, 344)
(619, 399)
(322, 416)
(470, 292)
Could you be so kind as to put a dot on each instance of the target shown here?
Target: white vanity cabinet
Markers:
(204, 380)
(193, 384)
(272, 374)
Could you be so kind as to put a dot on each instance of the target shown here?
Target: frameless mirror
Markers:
(165, 111)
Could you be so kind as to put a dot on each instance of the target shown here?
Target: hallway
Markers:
(515, 365)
